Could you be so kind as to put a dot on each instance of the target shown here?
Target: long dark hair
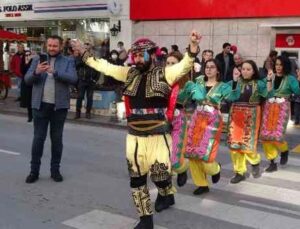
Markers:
(286, 63)
(218, 66)
(255, 75)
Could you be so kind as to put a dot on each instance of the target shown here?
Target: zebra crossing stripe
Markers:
(102, 219)
(263, 191)
(233, 213)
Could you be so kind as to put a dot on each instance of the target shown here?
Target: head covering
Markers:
(233, 48)
(142, 45)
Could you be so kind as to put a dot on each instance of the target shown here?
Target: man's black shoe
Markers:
(215, 178)
(256, 171)
(201, 190)
(181, 179)
(163, 202)
(284, 157)
(57, 177)
(31, 178)
(272, 167)
(88, 115)
(237, 178)
(146, 222)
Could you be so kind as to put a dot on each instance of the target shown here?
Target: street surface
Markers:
(95, 193)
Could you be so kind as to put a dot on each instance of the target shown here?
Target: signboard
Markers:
(52, 9)
(205, 9)
(287, 41)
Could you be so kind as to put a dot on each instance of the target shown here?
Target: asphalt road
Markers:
(96, 195)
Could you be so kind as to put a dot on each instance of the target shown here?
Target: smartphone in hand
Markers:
(43, 58)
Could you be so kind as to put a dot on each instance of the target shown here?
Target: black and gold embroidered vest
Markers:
(147, 90)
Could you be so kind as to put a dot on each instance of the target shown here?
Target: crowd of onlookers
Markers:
(89, 80)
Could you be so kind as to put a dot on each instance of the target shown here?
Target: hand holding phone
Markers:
(43, 58)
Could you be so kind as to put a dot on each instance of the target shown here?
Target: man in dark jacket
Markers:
(88, 78)
(50, 75)
(225, 59)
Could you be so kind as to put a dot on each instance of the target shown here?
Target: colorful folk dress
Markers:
(205, 128)
(245, 115)
(276, 110)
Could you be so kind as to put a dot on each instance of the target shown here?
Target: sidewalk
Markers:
(11, 107)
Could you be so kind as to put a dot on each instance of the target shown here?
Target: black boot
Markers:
(284, 156)
(237, 178)
(215, 178)
(272, 167)
(256, 171)
(163, 202)
(77, 115)
(181, 179)
(32, 177)
(146, 222)
(201, 190)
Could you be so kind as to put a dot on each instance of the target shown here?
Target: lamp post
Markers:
(115, 29)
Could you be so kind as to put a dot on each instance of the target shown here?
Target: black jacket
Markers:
(220, 59)
(86, 74)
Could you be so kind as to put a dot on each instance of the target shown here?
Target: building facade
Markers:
(89, 20)
(254, 26)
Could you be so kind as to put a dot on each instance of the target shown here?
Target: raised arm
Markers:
(175, 72)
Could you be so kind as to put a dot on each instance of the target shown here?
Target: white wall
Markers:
(253, 41)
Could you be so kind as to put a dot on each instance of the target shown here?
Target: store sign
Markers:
(16, 8)
(210, 9)
(287, 41)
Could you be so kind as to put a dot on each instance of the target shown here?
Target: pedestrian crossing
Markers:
(97, 219)
(249, 204)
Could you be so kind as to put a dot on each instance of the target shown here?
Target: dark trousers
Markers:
(89, 90)
(41, 119)
(297, 112)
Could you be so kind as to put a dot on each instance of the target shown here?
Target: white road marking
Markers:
(270, 207)
(259, 191)
(232, 213)
(282, 173)
(102, 219)
(9, 152)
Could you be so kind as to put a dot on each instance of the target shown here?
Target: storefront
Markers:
(251, 25)
(89, 20)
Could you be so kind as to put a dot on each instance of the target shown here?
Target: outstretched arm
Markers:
(175, 72)
(101, 65)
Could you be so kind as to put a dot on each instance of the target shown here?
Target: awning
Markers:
(279, 25)
(9, 36)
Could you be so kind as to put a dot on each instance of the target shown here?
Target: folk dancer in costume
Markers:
(176, 114)
(276, 112)
(244, 120)
(205, 128)
(147, 90)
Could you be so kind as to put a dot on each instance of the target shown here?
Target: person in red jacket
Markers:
(15, 68)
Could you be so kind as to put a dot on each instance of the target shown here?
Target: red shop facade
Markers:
(255, 26)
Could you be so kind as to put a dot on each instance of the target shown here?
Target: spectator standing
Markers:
(238, 61)
(225, 58)
(121, 51)
(50, 104)
(26, 90)
(87, 79)
(15, 68)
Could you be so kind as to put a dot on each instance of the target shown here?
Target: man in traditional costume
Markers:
(147, 90)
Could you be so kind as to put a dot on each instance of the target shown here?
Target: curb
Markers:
(113, 125)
